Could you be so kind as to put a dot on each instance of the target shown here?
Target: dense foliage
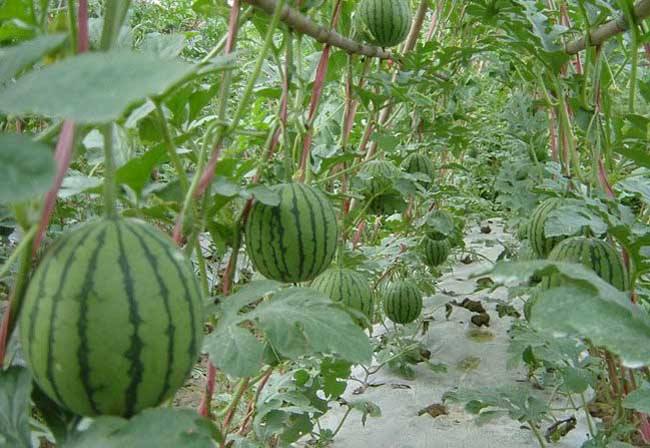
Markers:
(354, 144)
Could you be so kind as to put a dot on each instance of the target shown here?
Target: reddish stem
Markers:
(357, 234)
(208, 390)
(317, 90)
(62, 158)
(83, 42)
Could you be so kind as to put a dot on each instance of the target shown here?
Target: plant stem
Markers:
(109, 173)
(340, 425)
(171, 148)
(538, 436)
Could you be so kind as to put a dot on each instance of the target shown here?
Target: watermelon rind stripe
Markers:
(134, 352)
(49, 372)
(83, 350)
(170, 331)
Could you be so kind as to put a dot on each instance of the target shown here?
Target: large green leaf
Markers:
(639, 400)
(585, 306)
(15, 389)
(160, 428)
(92, 87)
(13, 59)
(235, 351)
(301, 321)
(26, 168)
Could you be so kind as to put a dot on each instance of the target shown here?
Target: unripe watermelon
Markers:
(387, 21)
(403, 302)
(295, 240)
(595, 254)
(435, 252)
(347, 286)
(383, 175)
(112, 319)
(540, 244)
(418, 163)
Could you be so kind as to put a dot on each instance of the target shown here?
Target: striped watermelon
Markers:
(538, 241)
(435, 252)
(403, 302)
(387, 21)
(418, 163)
(112, 319)
(347, 286)
(383, 175)
(595, 254)
(295, 240)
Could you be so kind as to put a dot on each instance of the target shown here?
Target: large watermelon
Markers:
(435, 252)
(403, 302)
(595, 254)
(387, 21)
(347, 286)
(419, 163)
(112, 319)
(295, 240)
(540, 244)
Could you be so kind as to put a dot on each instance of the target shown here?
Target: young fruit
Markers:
(418, 163)
(435, 252)
(403, 302)
(112, 320)
(387, 21)
(539, 242)
(347, 286)
(295, 240)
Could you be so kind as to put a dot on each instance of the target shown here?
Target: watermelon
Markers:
(346, 286)
(387, 21)
(403, 302)
(595, 254)
(112, 319)
(418, 163)
(295, 240)
(435, 252)
(541, 244)
(440, 225)
(383, 175)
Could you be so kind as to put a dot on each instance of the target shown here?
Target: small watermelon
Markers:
(540, 243)
(348, 287)
(387, 21)
(383, 175)
(595, 254)
(403, 302)
(295, 240)
(435, 252)
(419, 163)
(112, 319)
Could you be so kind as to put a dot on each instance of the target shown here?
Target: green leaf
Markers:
(15, 389)
(13, 59)
(160, 428)
(265, 195)
(235, 351)
(136, 173)
(301, 321)
(26, 168)
(639, 400)
(569, 219)
(581, 305)
(93, 87)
